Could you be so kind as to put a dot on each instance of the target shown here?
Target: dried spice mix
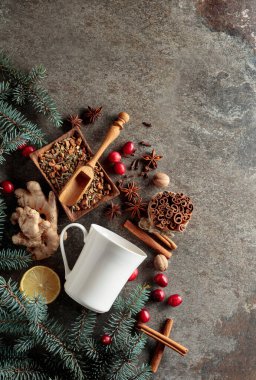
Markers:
(61, 161)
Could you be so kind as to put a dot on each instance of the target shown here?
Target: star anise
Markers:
(113, 210)
(131, 190)
(75, 121)
(135, 207)
(151, 160)
(92, 114)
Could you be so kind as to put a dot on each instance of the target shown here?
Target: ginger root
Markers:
(38, 234)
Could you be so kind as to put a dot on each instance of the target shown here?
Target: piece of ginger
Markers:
(39, 234)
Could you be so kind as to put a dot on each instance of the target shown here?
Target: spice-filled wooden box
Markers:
(58, 160)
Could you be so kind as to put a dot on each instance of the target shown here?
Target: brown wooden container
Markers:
(75, 215)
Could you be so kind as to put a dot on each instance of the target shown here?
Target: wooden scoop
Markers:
(77, 185)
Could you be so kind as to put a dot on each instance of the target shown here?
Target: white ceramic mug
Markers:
(102, 269)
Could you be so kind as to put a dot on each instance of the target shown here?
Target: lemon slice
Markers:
(41, 280)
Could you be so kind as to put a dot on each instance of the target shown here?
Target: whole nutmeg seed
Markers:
(160, 263)
(161, 180)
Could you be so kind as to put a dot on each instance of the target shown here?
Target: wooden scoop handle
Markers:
(111, 135)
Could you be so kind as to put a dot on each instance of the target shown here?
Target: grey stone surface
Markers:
(160, 62)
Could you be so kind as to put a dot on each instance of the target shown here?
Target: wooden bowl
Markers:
(74, 215)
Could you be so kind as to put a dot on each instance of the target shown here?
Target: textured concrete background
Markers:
(161, 62)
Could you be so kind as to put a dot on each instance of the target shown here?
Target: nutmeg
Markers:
(161, 180)
(160, 263)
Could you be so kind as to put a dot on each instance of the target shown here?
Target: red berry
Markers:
(143, 316)
(119, 168)
(174, 300)
(161, 280)
(22, 146)
(27, 150)
(114, 157)
(158, 295)
(7, 187)
(128, 148)
(134, 275)
(106, 339)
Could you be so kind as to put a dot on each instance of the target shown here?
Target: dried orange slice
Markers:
(41, 280)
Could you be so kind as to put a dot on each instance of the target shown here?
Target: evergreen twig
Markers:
(14, 259)
(20, 369)
(85, 359)
(82, 329)
(17, 89)
(4, 90)
(2, 217)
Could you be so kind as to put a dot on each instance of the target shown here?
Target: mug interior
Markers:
(118, 240)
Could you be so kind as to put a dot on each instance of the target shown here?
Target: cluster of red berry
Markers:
(115, 157)
(158, 295)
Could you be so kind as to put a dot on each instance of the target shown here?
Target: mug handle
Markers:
(64, 257)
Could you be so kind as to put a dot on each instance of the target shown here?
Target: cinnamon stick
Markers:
(162, 339)
(159, 350)
(166, 240)
(143, 236)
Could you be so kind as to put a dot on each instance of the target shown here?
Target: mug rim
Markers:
(140, 253)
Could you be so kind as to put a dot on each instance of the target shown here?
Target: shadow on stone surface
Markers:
(239, 363)
(233, 16)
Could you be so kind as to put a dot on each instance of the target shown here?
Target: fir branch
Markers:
(18, 94)
(29, 323)
(11, 142)
(121, 321)
(137, 299)
(14, 259)
(43, 103)
(15, 129)
(36, 74)
(12, 298)
(128, 355)
(141, 373)
(10, 118)
(9, 71)
(120, 370)
(5, 64)
(37, 310)
(135, 345)
(8, 352)
(25, 88)
(92, 349)
(21, 369)
(82, 328)
(50, 335)
(34, 134)
(12, 324)
(2, 216)
(24, 344)
(118, 325)
(4, 90)
(2, 158)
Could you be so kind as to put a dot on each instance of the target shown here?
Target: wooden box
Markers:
(74, 215)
